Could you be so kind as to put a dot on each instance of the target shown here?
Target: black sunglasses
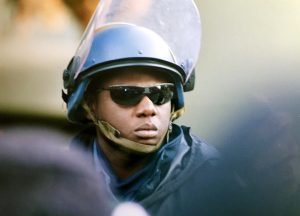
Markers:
(132, 95)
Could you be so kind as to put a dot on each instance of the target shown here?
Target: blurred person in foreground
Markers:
(263, 149)
(39, 176)
(125, 85)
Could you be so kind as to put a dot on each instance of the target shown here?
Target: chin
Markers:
(152, 143)
(148, 141)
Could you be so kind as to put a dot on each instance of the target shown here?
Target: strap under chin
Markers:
(114, 135)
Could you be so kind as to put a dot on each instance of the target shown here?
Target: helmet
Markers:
(112, 41)
(121, 45)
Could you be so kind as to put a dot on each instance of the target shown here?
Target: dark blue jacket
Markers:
(186, 178)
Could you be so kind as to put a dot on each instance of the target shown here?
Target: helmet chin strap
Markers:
(115, 136)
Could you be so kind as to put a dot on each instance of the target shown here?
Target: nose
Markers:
(145, 108)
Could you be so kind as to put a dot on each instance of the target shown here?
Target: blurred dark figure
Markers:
(40, 177)
(263, 149)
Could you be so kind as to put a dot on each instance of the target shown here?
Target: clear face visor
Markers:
(177, 22)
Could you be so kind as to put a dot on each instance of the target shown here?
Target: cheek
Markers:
(104, 107)
(164, 116)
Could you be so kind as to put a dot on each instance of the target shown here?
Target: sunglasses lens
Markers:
(161, 94)
(132, 95)
(126, 95)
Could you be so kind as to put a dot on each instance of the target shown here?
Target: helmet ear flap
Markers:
(64, 96)
(74, 104)
(178, 102)
(69, 72)
(190, 83)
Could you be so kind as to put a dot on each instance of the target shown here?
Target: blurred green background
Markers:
(250, 52)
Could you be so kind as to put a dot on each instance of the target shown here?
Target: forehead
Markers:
(137, 76)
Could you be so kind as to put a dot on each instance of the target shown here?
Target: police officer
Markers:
(125, 84)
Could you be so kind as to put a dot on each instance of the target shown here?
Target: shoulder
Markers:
(197, 185)
(198, 146)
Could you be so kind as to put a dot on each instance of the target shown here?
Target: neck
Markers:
(123, 163)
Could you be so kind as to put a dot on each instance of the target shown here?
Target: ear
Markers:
(93, 107)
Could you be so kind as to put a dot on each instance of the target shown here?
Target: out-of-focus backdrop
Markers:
(37, 40)
(247, 96)
(250, 52)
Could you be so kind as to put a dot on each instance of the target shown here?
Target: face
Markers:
(145, 122)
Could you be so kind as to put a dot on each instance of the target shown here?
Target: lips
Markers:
(146, 131)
